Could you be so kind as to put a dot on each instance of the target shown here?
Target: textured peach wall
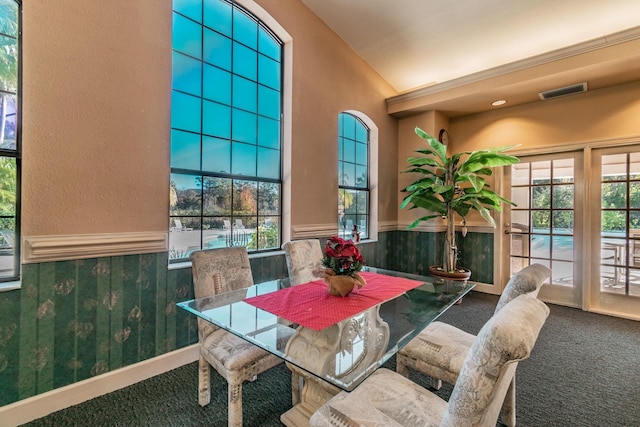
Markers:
(329, 78)
(96, 99)
(594, 116)
(96, 93)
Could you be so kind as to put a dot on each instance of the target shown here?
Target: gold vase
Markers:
(340, 285)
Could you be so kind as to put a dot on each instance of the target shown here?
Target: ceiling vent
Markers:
(567, 90)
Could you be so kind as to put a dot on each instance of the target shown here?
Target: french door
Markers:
(545, 226)
(615, 231)
(578, 213)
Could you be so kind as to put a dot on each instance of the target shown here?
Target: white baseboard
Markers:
(44, 404)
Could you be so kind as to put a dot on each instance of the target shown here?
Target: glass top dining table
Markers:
(344, 353)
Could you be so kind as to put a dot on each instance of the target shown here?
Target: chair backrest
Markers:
(239, 223)
(216, 271)
(507, 338)
(303, 258)
(529, 280)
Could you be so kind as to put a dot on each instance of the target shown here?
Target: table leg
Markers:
(355, 344)
(315, 393)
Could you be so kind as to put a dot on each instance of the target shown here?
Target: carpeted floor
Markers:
(583, 372)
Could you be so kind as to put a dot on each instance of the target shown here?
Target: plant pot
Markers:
(461, 273)
(341, 285)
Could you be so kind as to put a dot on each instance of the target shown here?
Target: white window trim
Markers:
(373, 172)
(287, 108)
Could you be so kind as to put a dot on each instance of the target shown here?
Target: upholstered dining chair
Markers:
(387, 398)
(216, 271)
(440, 349)
(303, 258)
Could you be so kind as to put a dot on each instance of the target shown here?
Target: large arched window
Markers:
(353, 176)
(10, 142)
(226, 127)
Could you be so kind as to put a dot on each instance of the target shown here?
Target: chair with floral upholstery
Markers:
(387, 398)
(217, 271)
(303, 258)
(440, 349)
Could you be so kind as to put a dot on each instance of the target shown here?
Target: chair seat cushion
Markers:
(234, 358)
(383, 399)
(438, 351)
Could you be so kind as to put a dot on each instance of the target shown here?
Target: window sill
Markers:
(187, 264)
(10, 286)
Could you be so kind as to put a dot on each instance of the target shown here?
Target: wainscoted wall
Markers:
(76, 319)
(415, 251)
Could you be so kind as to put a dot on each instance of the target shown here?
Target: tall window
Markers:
(225, 130)
(9, 140)
(353, 176)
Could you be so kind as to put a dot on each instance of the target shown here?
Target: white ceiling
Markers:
(413, 43)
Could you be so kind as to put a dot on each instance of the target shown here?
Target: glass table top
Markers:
(345, 353)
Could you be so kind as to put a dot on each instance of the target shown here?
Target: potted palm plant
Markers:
(453, 184)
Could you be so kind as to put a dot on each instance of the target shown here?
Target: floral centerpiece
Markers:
(342, 261)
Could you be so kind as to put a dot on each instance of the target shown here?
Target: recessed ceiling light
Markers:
(499, 102)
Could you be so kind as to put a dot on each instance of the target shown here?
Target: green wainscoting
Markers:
(415, 251)
(73, 320)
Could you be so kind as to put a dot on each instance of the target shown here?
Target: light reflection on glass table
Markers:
(338, 357)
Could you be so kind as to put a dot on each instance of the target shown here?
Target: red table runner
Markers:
(311, 305)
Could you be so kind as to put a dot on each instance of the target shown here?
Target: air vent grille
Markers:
(563, 91)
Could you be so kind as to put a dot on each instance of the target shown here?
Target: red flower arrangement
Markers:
(342, 258)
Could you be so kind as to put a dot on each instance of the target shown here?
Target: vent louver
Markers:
(563, 91)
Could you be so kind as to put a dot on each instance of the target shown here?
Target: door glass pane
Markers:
(620, 224)
(520, 196)
(563, 196)
(563, 222)
(634, 166)
(551, 213)
(563, 170)
(541, 197)
(614, 194)
(520, 174)
(614, 167)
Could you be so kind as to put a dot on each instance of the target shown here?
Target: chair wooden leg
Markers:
(401, 367)
(509, 405)
(435, 383)
(235, 405)
(204, 382)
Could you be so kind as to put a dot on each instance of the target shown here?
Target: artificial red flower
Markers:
(342, 256)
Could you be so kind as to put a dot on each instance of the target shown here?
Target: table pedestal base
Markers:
(315, 393)
(346, 350)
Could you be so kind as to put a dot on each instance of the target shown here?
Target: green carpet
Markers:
(582, 372)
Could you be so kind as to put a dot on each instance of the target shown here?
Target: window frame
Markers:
(266, 23)
(16, 154)
(371, 172)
